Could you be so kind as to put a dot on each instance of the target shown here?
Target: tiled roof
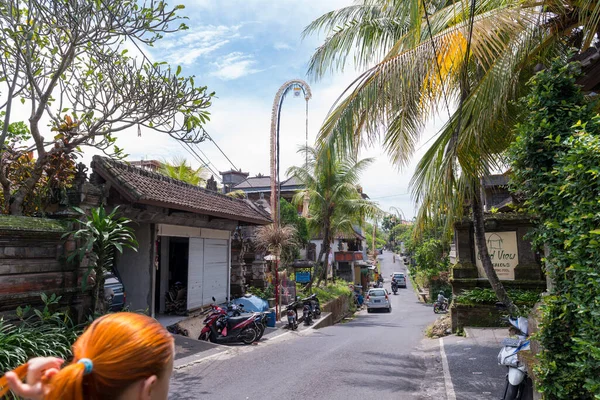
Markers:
(145, 187)
(265, 182)
(495, 180)
(254, 182)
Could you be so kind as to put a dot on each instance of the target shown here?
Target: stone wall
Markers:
(33, 260)
(483, 315)
(338, 308)
(528, 273)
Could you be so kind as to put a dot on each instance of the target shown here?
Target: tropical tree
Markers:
(68, 63)
(179, 168)
(335, 204)
(101, 235)
(421, 58)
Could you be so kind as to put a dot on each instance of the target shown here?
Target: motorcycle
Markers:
(440, 307)
(311, 307)
(224, 329)
(260, 323)
(517, 382)
(292, 315)
(394, 287)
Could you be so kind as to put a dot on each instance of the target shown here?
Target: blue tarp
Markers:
(252, 303)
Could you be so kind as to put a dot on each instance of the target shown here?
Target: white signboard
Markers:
(452, 254)
(504, 253)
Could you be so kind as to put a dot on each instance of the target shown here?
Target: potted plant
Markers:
(270, 295)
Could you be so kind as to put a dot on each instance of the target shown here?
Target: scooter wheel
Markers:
(248, 336)
(204, 336)
(512, 392)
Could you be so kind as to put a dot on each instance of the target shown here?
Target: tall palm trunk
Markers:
(486, 261)
(325, 247)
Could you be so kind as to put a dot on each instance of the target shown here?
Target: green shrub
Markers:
(328, 292)
(37, 333)
(556, 167)
(526, 298)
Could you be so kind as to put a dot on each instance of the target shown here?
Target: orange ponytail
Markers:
(124, 348)
(21, 373)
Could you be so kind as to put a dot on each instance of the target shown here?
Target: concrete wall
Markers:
(135, 269)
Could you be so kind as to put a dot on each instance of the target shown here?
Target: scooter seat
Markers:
(233, 321)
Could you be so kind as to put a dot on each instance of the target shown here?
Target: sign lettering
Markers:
(504, 253)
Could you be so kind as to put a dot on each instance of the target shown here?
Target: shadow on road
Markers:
(389, 372)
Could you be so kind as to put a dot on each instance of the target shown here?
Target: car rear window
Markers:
(377, 292)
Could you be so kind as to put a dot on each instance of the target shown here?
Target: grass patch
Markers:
(328, 292)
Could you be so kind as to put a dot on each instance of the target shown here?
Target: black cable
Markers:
(435, 55)
(222, 152)
(464, 71)
(157, 71)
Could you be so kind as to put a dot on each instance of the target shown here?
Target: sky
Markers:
(244, 50)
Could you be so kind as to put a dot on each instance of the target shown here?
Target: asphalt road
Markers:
(475, 372)
(375, 356)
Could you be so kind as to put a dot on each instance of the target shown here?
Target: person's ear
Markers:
(148, 385)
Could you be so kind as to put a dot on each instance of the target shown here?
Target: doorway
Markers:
(172, 276)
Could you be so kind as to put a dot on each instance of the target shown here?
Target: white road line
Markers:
(447, 379)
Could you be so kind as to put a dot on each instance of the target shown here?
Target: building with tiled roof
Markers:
(184, 234)
(146, 187)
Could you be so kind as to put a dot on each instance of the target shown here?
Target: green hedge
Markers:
(556, 167)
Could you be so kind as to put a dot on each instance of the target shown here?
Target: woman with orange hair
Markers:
(122, 356)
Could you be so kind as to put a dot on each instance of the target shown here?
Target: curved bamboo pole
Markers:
(275, 116)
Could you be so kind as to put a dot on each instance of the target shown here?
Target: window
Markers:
(379, 292)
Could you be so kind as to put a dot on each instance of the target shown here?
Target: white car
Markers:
(378, 298)
(400, 279)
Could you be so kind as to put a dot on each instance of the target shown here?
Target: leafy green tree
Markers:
(290, 216)
(101, 235)
(335, 204)
(179, 168)
(556, 169)
(68, 61)
(420, 58)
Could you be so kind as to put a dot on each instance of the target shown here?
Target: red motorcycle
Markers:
(221, 328)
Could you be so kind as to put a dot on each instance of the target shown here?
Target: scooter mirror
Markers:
(213, 299)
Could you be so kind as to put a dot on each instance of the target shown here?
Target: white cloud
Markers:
(188, 57)
(234, 65)
(282, 46)
(185, 48)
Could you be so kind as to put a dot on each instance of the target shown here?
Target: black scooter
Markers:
(394, 287)
(311, 309)
(292, 316)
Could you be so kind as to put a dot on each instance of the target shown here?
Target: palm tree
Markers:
(335, 204)
(179, 168)
(426, 58)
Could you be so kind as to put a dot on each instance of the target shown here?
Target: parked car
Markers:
(114, 293)
(400, 279)
(378, 298)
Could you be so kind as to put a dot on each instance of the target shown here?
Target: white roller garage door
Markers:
(195, 273)
(215, 270)
(208, 271)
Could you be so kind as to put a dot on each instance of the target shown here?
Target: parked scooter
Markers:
(221, 328)
(311, 309)
(292, 315)
(517, 382)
